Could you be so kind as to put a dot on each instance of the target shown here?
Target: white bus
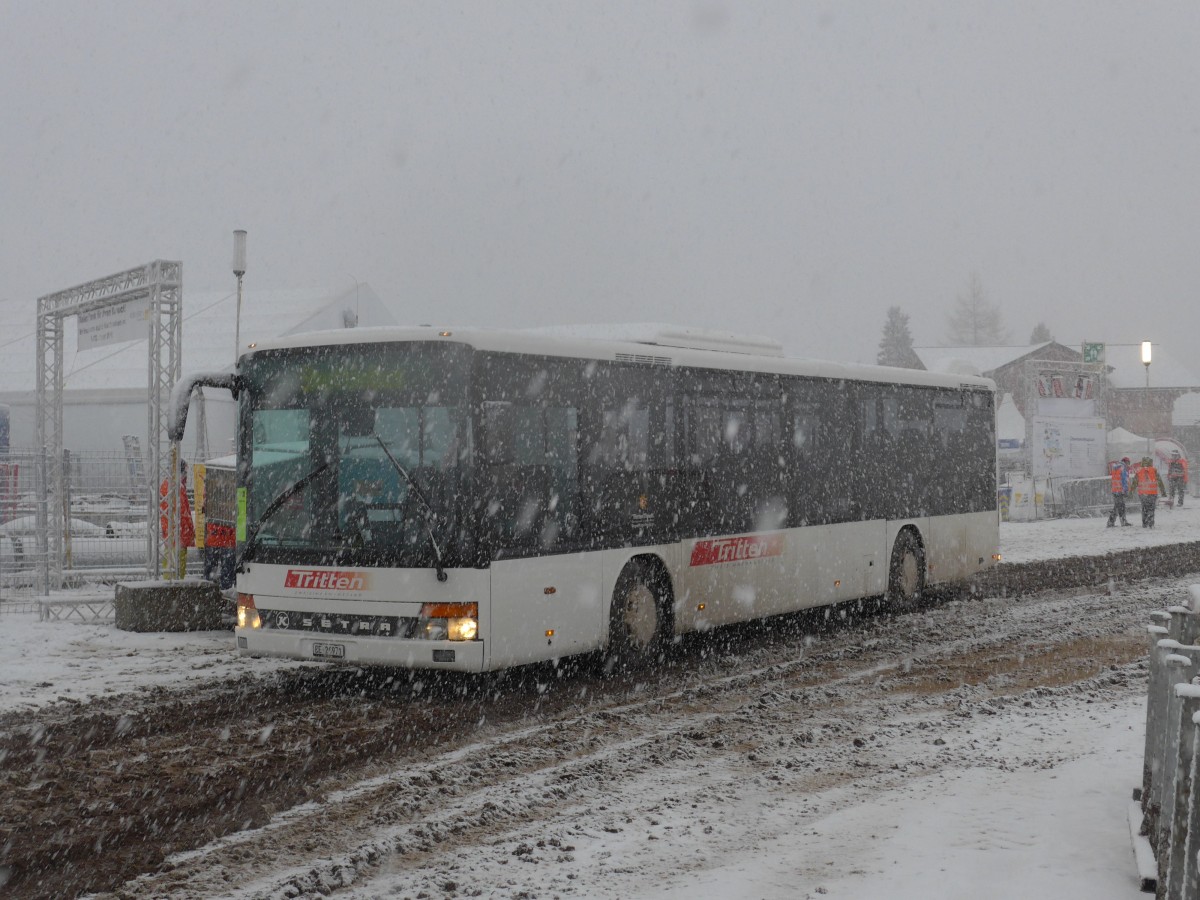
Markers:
(473, 499)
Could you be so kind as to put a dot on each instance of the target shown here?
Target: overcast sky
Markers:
(790, 169)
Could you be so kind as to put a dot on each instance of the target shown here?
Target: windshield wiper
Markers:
(428, 514)
(272, 507)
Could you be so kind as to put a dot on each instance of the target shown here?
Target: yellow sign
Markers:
(198, 474)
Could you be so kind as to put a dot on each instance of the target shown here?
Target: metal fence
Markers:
(102, 516)
(1083, 496)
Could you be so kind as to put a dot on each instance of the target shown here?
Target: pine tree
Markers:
(1041, 334)
(896, 346)
(975, 322)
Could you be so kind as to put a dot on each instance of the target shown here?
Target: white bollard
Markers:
(1156, 705)
(1183, 625)
(1180, 760)
(1178, 667)
(1190, 879)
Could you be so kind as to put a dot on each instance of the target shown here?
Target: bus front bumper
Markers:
(455, 656)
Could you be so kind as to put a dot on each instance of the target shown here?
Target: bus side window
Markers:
(801, 451)
(840, 463)
(947, 494)
(766, 489)
(624, 443)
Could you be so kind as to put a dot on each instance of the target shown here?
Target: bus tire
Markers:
(638, 625)
(906, 573)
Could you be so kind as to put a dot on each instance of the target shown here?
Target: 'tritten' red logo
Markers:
(325, 580)
(738, 549)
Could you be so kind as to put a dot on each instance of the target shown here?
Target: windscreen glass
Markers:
(354, 454)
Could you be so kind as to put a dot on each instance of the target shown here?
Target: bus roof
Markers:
(667, 346)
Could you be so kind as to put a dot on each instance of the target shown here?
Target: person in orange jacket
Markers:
(1177, 478)
(187, 530)
(1122, 481)
(1149, 484)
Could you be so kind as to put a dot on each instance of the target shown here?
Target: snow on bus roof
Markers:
(572, 343)
(664, 335)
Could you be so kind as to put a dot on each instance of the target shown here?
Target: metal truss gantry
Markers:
(161, 283)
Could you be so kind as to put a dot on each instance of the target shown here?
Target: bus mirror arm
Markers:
(181, 396)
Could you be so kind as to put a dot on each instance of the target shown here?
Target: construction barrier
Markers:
(1165, 817)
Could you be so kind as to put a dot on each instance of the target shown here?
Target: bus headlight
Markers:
(247, 613)
(450, 621)
(462, 629)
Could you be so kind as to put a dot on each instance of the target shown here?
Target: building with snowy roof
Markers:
(1004, 365)
(1160, 406)
(105, 391)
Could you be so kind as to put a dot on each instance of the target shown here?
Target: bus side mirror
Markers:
(181, 396)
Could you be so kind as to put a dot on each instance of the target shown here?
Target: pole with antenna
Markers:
(239, 269)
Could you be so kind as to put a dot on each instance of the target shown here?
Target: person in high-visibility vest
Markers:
(1149, 483)
(1177, 477)
(1122, 481)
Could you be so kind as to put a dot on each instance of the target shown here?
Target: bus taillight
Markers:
(450, 621)
(247, 614)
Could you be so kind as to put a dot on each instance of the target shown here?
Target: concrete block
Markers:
(188, 605)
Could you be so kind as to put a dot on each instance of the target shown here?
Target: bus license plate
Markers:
(332, 651)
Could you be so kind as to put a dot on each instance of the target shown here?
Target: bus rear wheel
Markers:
(637, 628)
(906, 574)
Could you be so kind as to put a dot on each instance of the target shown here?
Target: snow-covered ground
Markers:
(1053, 538)
(1052, 825)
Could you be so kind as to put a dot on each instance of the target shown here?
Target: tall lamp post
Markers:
(1149, 432)
(239, 269)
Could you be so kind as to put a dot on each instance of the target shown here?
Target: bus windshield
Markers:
(353, 454)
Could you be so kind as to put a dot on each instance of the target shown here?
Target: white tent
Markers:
(1125, 443)
(1010, 424)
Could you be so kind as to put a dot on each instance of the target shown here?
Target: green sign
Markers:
(241, 514)
(1093, 353)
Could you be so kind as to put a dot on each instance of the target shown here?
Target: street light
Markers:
(1146, 363)
(239, 269)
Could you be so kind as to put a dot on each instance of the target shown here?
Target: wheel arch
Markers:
(653, 569)
(664, 557)
(913, 529)
(658, 568)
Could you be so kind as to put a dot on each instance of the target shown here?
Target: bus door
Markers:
(628, 458)
(544, 601)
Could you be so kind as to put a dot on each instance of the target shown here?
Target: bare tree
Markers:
(974, 321)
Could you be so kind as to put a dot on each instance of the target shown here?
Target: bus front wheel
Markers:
(638, 623)
(906, 575)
